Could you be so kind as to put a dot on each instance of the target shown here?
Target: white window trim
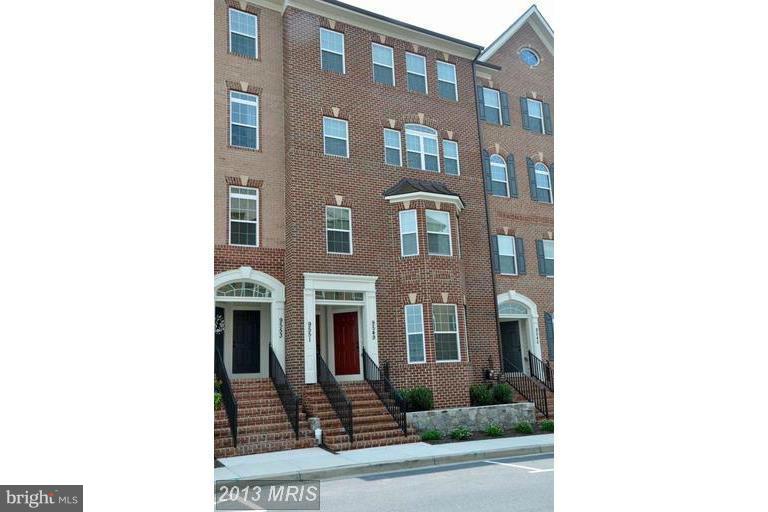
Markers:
(455, 78)
(426, 80)
(255, 103)
(399, 148)
(445, 158)
(345, 139)
(498, 97)
(503, 164)
(257, 198)
(402, 233)
(422, 149)
(551, 244)
(534, 52)
(435, 332)
(407, 335)
(541, 109)
(391, 68)
(327, 229)
(514, 255)
(343, 50)
(549, 180)
(450, 235)
(233, 31)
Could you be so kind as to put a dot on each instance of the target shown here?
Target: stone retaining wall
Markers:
(474, 418)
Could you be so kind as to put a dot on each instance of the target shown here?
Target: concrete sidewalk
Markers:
(316, 463)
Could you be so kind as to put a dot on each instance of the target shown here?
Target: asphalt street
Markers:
(516, 484)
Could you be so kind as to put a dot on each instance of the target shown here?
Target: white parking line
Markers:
(529, 469)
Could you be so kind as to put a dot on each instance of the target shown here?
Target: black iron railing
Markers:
(526, 386)
(227, 393)
(541, 371)
(336, 395)
(289, 398)
(387, 393)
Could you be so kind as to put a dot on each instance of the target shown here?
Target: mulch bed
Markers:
(482, 435)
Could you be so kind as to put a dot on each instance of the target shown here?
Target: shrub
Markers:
(524, 428)
(431, 435)
(494, 430)
(419, 398)
(502, 393)
(217, 400)
(480, 394)
(547, 426)
(217, 385)
(461, 433)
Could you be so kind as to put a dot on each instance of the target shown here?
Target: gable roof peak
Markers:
(537, 21)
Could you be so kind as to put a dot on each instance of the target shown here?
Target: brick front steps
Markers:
(262, 425)
(372, 424)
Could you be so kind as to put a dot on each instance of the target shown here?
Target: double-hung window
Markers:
(507, 255)
(499, 184)
(414, 332)
(338, 229)
(543, 183)
(243, 38)
(243, 120)
(446, 81)
(335, 137)
(383, 64)
(421, 147)
(392, 151)
(446, 330)
(244, 216)
(451, 157)
(438, 233)
(332, 51)
(409, 233)
(492, 105)
(535, 116)
(549, 257)
(416, 68)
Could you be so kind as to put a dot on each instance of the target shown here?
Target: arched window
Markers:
(543, 183)
(530, 57)
(512, 308)
(499, 186)
(421, 147)
(244, 289)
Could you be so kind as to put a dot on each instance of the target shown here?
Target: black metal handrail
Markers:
(227, 393)
(386, 392)
(541, 371)
(289, 398)
(336, 396)
(526, 386)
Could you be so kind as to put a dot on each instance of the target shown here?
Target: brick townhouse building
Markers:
(354, 204)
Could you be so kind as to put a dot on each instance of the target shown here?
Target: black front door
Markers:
(246, 353)
(510, 346)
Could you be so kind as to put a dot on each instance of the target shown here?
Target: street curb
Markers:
(420, 462)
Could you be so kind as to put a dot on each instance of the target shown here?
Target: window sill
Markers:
(244, 148)
(417, 362)
(337, 156)
(448, 361)
(256, 58)
(244, 245)
(333, 72)
(339, 253)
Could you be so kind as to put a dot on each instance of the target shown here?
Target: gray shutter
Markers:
(511, 175)
(550, 329)
(487, 171)
(540, 257)
(524, 112)
(495, 255)
(520, 253)
(552, 180)
(531, 177)
(504, 108)
(480, 103)
(547, 118)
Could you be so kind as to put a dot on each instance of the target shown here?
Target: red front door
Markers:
(347, 355)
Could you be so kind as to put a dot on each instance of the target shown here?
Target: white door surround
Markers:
(529, 321)
(366, 319)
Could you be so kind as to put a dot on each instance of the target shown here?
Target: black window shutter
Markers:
(520, 253)
(552, 180)
(524, 112)
(495, 255)
(480, 103)
(547, 118)
(531, 177)
(487, 170)
(504, 108)
(540, 257)
(550, 328)
(511, 175)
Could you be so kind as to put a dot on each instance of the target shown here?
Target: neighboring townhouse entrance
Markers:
(346, 343)
(511, 348)
(519, 326)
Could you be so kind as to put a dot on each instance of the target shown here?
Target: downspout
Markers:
(487, 217)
